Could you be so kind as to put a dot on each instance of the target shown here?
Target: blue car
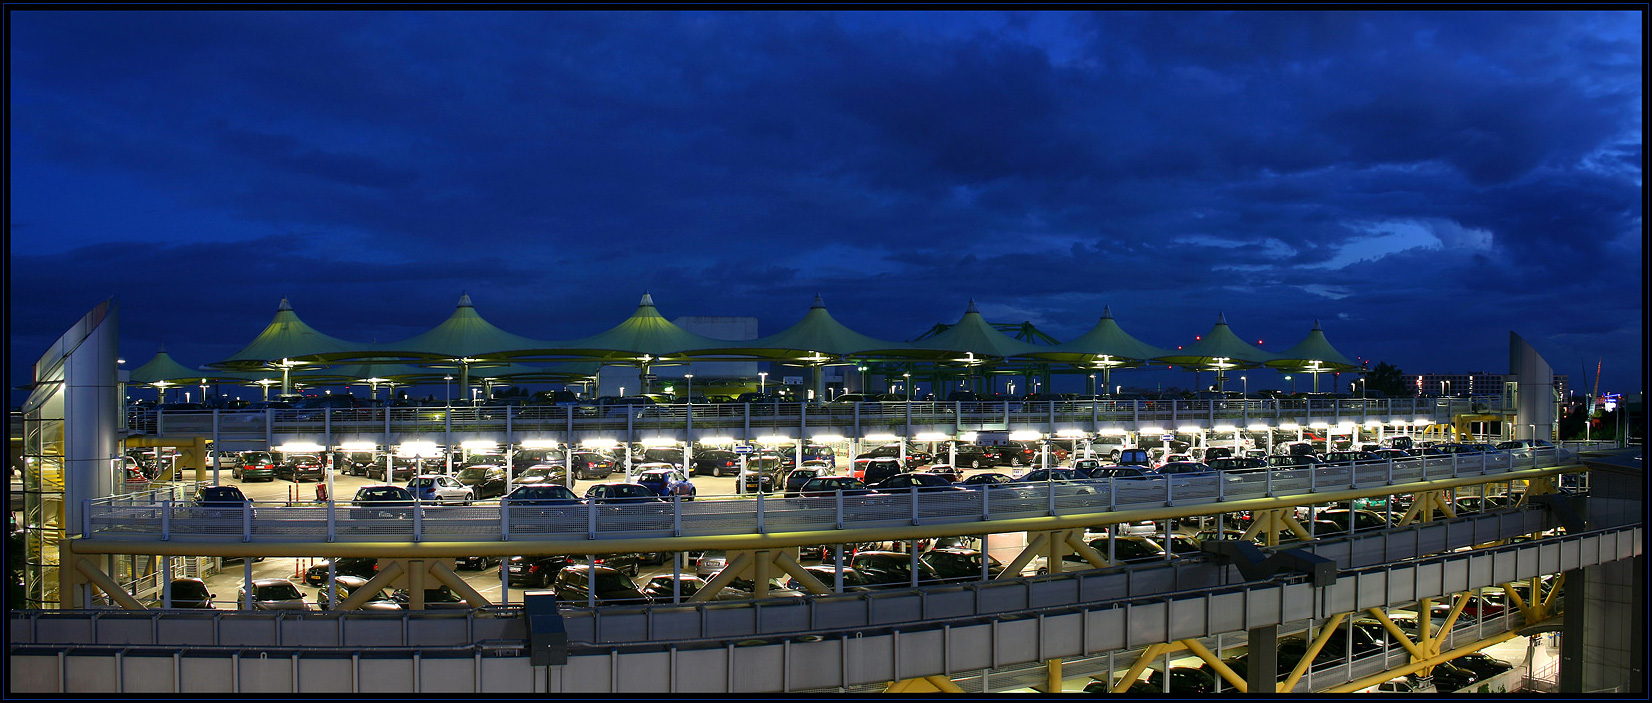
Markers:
(667, 482)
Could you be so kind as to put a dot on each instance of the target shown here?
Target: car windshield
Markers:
(223, 493)
(279, 591)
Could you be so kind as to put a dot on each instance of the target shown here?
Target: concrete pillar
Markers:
(1262, 662)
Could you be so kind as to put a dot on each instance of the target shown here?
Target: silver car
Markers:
(273, 594)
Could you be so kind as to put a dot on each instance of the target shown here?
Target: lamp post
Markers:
(449, 380)
(690, 394)
(908, 383)
(762, 382)
(1244, 385)
(1289, 380)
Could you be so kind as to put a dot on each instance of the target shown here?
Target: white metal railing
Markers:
(1028, 414)
(145, 517)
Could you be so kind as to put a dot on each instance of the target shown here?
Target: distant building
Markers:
(1473, 383)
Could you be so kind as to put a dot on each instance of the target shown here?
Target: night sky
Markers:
(1421, 182)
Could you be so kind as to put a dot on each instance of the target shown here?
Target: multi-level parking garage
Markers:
(1091, 616)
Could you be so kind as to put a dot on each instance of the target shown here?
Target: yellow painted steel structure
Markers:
(1054, 535)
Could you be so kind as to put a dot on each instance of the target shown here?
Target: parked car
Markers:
(828, 486)
(795, 479)
(382, 501)
(577, 583)
(191, 593)
(1291, 461)
(946, 471)
(914, 458)
(620, 494)
(1184, 467)
(1123, 472)
(300, 467)
(484, 480)
(591, 465)
(953, 564)
(439, 598)
(891, 568)
(541, 494)
(361, 567)
(542, 473)
(254, 466)
(920, 482)
(974, 456)
(659, 589)
(763, 473)
(220, 502)
(716, 462)
(1237, 464)
(535, 571)
(667, 482)
(986, 480)
(357, 463)
(436, 488)
(874, 469)
(1483, 666)
(273, 594)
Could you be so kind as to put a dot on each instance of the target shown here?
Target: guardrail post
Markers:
(1049, 489)
(986, 508)
(246, 522)
(1312, 474)
(1168, 500)
(504, 520)
(1221, 486)
(332, 520)
(166, 519)
(1270, 481)
(839, 493)
(591, 519)
(759, 511)
(676, 515)
(914, 490)
(418, 520)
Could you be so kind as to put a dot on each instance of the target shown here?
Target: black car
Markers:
(763, 472)
(990, 480)
(591, 465)
(442, 598)
(959, 564)
(1237, 464)
(797, 477)
(1480, 664)
(300, 467)
(220, 502)
(974, 456)
(541, 494)
(487, 480)
(254, 466)
(891, 568)
(716, 462)
(622, 494)
(364, 567)
(579, 584)
(382, 501)
(191, 593)
(347, 585)
(875, 469)
(536, 572)
(920, 482)
(356, 463)
(543, 473)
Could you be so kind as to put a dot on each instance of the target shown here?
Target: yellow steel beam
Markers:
(926, 684)
(94, 574)
(1451, 618)
(1052, 676)
(446, 576)
(1301, 668)
(1397, 634)
(1091, 555)
(1028, 553)
(731, 571)
(1222, 669)
(386, 575)
(1422, 664)
(789, 564)
(1548, 598)
(1153, 651)
(179, 545)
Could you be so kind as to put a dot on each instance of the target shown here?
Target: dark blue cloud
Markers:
(1423, 182)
